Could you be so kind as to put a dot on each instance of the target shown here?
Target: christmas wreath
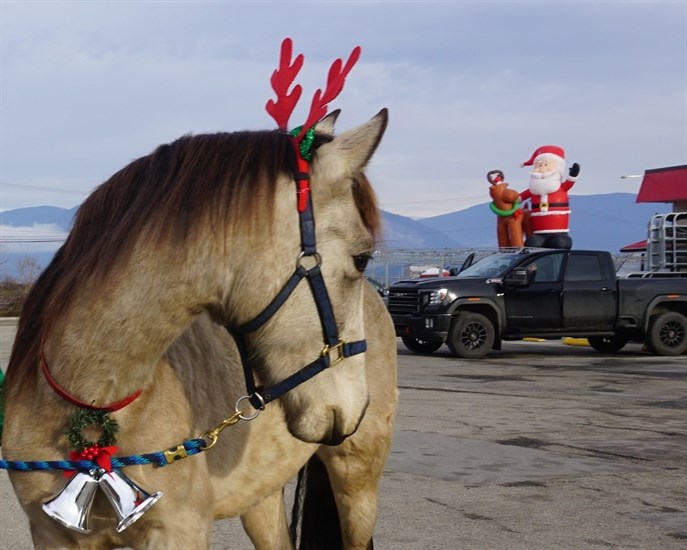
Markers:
(84, 418)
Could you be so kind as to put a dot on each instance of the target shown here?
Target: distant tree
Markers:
(15, 289)
(3, 259)
(28, 270)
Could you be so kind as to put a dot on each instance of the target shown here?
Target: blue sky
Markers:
(87, 87)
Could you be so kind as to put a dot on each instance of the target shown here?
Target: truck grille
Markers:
(403, 300)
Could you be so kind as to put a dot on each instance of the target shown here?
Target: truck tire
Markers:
(607, 344)
(667, 333)
(472, 335)
(418, 345)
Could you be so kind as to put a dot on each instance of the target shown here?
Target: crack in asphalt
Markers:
(530, 443)
(600, 454)
(499, 394)
(658, 432)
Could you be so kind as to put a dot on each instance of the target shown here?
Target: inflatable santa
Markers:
(548, 194)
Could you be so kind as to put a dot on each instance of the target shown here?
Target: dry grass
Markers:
(12, 296)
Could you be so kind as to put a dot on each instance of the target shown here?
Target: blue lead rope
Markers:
(191, 447)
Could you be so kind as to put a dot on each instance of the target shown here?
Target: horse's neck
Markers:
(108, 341)
(208, 365)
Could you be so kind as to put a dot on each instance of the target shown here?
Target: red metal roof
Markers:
(639, 246)
(664, 185)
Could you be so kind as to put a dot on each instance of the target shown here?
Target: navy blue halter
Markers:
(335, 349)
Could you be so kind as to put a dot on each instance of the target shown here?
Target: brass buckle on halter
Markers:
(327, 351)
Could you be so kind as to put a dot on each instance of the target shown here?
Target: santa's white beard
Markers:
(544, 184)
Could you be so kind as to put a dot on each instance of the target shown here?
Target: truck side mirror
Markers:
(519, 277)
(467, 262)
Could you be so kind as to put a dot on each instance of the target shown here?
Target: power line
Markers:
(28, 240)
(43, 188)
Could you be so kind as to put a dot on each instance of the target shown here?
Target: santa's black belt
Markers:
(549, 204)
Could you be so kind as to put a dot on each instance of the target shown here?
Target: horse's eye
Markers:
(360, 261)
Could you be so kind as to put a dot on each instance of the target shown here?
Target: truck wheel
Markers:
(667, 333)
(418, 345)
(607, 344)
(472, 335)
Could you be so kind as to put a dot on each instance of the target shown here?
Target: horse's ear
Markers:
(326, 125)
(357, 145)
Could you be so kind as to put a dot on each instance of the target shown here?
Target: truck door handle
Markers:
(605, 289)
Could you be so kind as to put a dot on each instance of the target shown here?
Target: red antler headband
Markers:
(282, 78)
(281, 109)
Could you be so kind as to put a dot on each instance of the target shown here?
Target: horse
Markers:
(512, 222)
(128, 320)
(339, 501)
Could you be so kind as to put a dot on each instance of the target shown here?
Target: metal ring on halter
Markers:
(257, 411)
(316, 255)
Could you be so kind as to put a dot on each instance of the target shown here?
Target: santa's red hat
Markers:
(546, 151)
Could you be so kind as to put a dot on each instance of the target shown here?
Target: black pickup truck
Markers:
(540, 293)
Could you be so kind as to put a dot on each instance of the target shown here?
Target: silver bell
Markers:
(127, 498)
(72, 505)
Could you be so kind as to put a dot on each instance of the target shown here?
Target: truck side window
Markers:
(547, 268)
(583, 267)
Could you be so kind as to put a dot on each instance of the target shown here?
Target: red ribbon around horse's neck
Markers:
(77, 402)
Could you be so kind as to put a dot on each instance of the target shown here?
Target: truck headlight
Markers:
(437, 296)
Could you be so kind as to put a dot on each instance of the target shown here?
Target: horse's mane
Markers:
(223, 179)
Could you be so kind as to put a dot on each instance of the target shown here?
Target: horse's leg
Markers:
(266, 524)
(355, 467)
(354, 473)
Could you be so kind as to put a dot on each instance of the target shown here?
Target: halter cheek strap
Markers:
(335, 349)
(280, 110)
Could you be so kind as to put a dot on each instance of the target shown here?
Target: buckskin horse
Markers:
(177, 298)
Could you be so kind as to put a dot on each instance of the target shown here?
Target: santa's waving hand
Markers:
(548, 194)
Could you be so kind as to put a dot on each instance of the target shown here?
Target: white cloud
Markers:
(37, 238)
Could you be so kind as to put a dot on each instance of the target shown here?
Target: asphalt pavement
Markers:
(541, 445)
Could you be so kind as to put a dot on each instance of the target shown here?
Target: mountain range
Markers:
(602, 222)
